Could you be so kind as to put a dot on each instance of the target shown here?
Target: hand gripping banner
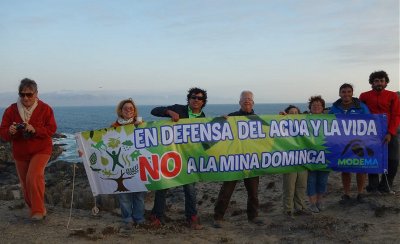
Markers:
(163, 154)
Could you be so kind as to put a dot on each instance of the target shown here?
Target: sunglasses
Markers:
(197, 97)
(28, 94)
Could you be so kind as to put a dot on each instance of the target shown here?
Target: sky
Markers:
(99, 52)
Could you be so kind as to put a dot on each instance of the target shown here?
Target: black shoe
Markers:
(257, 221)
(289, 215)
(217, 224)
(345, 199)
(360, 198)
(371, 189)
(302, 212)
(387, 191)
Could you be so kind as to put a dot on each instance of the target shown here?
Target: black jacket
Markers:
(182, 110)
(241, 113)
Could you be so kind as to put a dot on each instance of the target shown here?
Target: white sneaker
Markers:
(38, 217)
(313, 208)
(320, 206)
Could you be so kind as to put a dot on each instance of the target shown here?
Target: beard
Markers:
(378, 87)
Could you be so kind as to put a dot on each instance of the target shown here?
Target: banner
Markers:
(163, 154)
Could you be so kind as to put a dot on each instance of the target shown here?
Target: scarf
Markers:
(25, 112)
(122, 121)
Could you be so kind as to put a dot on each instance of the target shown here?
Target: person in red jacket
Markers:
(381, 101)
(29, 124)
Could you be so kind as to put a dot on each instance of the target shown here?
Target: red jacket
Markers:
(43, 122)
(384, 102)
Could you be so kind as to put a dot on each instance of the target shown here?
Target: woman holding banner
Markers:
(294, 184)
(317, 179)
(132, 203)
(347, 104)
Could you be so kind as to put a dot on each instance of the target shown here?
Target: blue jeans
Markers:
(316, 182)
(190, 202)
(132, 206)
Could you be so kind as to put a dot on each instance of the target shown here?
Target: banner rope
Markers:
(95, 209)
(387, 183)
(72, 199)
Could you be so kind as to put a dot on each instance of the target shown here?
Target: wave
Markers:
(70, 153)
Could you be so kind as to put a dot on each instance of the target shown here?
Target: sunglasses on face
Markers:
(27, 94)
(197, 97)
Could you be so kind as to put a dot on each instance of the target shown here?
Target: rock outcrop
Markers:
(59, 178)
(6, 154)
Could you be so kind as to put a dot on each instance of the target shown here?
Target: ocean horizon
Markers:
(73, 119)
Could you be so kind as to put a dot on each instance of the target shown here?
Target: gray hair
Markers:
(28, 83)
(246, 92)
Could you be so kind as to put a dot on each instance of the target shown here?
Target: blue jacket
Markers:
(357, 108)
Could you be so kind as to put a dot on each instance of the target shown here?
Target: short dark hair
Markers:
(378, 74)
(316, 99)
(290, 107)
(196, 90)
(27, 83)
(346, 85)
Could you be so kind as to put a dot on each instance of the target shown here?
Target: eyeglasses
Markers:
(128, 109)
(197, 97)
(28, 94)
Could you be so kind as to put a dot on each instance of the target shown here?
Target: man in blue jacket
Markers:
(347, 104)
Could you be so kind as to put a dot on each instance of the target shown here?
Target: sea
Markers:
(71, 120)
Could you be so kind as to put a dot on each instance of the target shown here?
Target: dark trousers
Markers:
(190, 202)
(386, 181)
(225, 194)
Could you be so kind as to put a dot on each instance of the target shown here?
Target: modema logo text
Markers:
(362, 155)
(367, 162)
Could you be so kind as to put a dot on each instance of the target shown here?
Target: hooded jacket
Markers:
(357, 107)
